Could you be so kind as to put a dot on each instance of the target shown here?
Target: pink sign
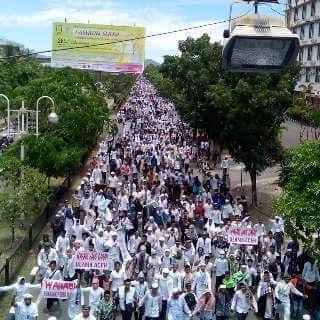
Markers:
(90, 260)
(58, 289)
(243, 236)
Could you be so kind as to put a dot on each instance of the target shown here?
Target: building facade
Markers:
(303, 18)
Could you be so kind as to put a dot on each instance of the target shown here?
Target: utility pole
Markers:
(255, 7)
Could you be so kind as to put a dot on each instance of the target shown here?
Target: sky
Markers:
(29, 22)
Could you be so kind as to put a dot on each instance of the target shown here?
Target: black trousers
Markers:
(126, 315)
(50, 302)
(163, 310)
(219, 280)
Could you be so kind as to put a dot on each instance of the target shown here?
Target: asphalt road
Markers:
(290, 137)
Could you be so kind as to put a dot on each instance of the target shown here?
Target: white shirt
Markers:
(126, 298)
(117, 279)
(152, 305)
(24, 312)
(165, 287)
(310, 274)
(241, 304)
(283, 289)
(221, 266)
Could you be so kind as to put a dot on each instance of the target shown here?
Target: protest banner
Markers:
(91, 260)
(58, 289)
(243, 236)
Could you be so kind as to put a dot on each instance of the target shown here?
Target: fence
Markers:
(13, 263)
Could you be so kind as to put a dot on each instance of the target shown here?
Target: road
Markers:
(290, 138)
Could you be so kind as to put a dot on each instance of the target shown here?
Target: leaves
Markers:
(299, 203)
(241, 112)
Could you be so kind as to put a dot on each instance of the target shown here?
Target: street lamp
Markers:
(259, 43)
(8, 112)
(52, 117)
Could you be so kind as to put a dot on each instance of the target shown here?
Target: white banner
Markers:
(91, 260)
(58, 289)
(243, 236)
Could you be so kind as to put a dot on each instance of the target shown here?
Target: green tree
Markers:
(23, 192)
(299, 201)
(241, 112)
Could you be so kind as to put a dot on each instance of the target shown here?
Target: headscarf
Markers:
(202, 305)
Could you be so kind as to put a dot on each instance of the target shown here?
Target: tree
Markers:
(299, 201)
(22, 194)
(241, 112)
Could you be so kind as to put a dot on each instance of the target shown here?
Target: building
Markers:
(303, 18)
(9, 48)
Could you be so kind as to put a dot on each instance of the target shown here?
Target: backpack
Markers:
(190, 300)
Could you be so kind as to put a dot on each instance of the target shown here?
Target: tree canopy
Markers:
(241, 112)
(80, 104)
(299, 202)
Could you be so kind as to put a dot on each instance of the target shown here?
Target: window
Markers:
(309, 55)
(313, 9)
(295, 16)
(301, 51)
(302, 33)
(317, 77)
(311, 30)
(297, 1)
(304, 11)
(318, 52)
(307, 75)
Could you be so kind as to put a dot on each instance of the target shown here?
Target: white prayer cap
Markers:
(222, 286)
(165, 270)
(27, 296)
(113, 233)
(153, 251)
(149, 229)
(52, 318)
(202, 264)
(140, 275)
(162, 239)
(175, 290)
(154, 285)
(306, 317)
(112, 172)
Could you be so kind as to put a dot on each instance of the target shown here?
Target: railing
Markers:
(13, 262)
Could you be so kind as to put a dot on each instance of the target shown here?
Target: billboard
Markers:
(98, 47)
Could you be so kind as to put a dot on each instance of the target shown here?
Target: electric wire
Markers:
(24, 55)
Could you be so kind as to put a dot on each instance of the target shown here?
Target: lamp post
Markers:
(8, 112)
(53, 117)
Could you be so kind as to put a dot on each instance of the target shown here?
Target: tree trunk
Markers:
(12, 234)
(254, 198)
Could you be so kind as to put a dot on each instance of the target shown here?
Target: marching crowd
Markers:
(165, 231)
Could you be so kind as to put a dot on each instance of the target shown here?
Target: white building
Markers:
(303, 17)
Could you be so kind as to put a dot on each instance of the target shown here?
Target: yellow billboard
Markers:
(98, 47)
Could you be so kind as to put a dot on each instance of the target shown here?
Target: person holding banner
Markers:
(53, 274)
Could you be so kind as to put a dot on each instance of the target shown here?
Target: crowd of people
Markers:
(5, 142)
(165, 230)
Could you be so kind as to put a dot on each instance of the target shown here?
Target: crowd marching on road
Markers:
(144, 237)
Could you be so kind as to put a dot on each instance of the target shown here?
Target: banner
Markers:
(243, 236)
(58, 289)
(98, 47)
(91, 260)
